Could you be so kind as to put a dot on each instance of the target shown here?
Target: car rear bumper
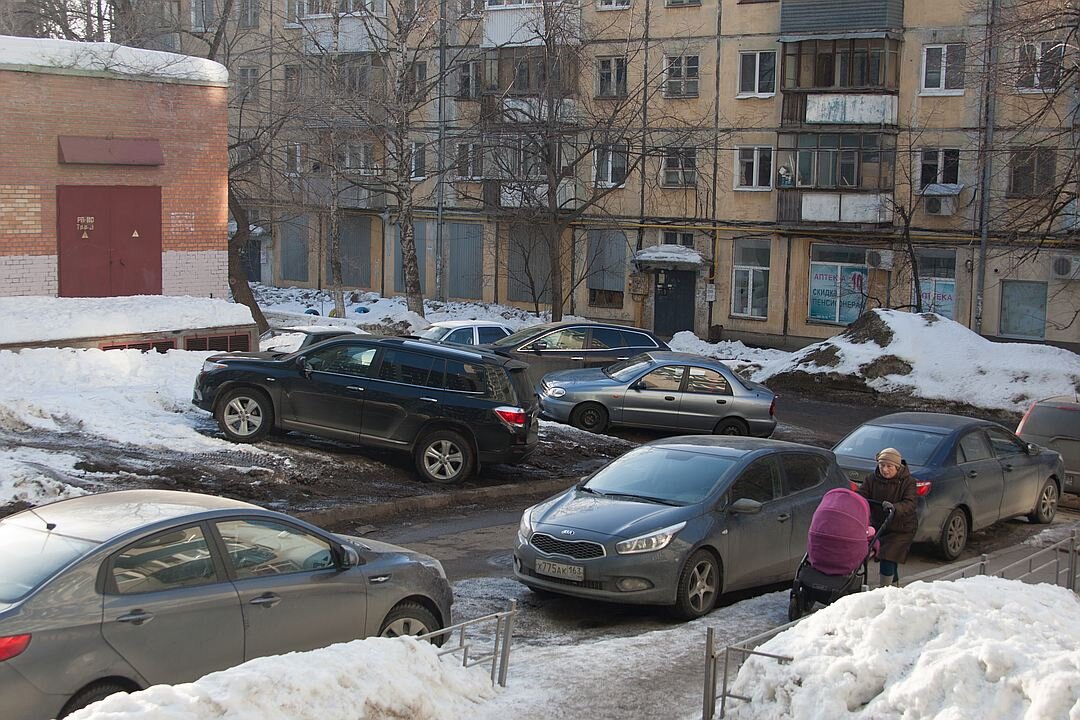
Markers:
(22, 700)
(761, 428)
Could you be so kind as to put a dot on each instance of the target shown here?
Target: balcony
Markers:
(824, 206)
(499, 110)
(512, 194)
(523, 25)
(319, 191)
(354, 34)
(839, 109)
(835, 17)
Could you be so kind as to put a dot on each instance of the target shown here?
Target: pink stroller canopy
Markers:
(838, 543)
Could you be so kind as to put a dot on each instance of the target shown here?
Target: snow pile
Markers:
(373, 679)
(733, 352)
(931, 357)
(677, 254)
(18, 52)
(983, 648)
(30, 475)
(29, 318)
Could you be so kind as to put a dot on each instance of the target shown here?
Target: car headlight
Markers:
(657, 540)
(434, 564)
(209, 365)
(556, 392)
(525, 529)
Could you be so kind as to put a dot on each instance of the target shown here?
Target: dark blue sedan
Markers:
(969, 473)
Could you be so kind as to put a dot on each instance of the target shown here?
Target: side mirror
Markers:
(746, 506)
(303, 365)
(350, 558)
(1032, 448)
(539, 345)
(637, 386)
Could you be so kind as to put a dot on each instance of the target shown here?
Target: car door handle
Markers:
(354, 388)
(577, 357)
(783, 517)
(427, 399)
(721, 401)
(266, 600)
(379, 579)
(1008, 467)
(669, 397)
(136, 617)
(973, 473)
(624, 357)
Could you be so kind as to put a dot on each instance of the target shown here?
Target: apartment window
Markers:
(417, 79)
(939, 166)
(532, 71)
(757, 73)
(1040, 65)
(937, 281)
(611, 77)
(682, 76)
(1023, 309)
(247, 85)
(755, 168)
(835, 160)
(470, 80)
(611, 162)
(314, 8)
(204, 15)
(294, 80)
(750, 278)
(677, 237)
(681, 3)
(293, 158)
(470, 160)
(838, 283)
(943, 69)
(613, 4)
(606, 266)
(360, 157)
(852, 63)
(1031, 171)
(354, 72)
(419, 160)
(680, 166)
(247, 13)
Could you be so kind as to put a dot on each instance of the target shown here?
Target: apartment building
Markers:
(763, 170)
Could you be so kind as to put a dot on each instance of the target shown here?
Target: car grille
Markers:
(577, 549)
(587, 584)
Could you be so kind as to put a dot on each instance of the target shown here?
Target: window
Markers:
(943, 69)
(681, 3)
(247, 13)
(294, 82)
(848, 63)
(614, 4)
(682, 76)
(680, 166)
(750, 278)
(802, 472)
(419, 161)
(611, 162)
(417, 80)
(354, 75)
(606, 339)
(664, 379)
(838, 277)
(169, 560)
(359, 157)
(758, 482)
(293, 155)
(1023, 309)
(247, 85)
(611, 77)
(566, 339)
(461, 336)
(204, 15)
(470, 160)
(937, 281)
(1004, 444)
(676, 237)
(1031, 171)
(606, 268)
(257, 548)
(707, 382)
(939, 166)
(412, 368)
(973, 447)
(470, 8)
(1040, 65)
(464, 376)
(352, 360)
(470, 80)
(830, 160)
(757, 73)
(755, 168)
(490, 334)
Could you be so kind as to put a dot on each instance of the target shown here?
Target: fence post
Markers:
(508, 630)
(1072, 560)
(983, 559)
(709, 701)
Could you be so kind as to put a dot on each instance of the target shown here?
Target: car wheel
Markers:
(409, 619)
(590, 416)
(1046, 508)
(731, 426)
(245, 415)
(954, 535)
(91, 694)
(445, 456)
(699, 586)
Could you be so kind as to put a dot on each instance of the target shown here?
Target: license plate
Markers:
(560, 570)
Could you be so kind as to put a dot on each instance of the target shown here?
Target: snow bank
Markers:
(31, 318)
(932, 357)
(983, 648)
(669, 254)
(29, 475)
(732, 350)
(373, 679)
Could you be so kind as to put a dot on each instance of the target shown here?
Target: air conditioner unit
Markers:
(1065, 267)
(880, 259)
(941, 205)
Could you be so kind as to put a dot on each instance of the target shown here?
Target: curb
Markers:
(368, 512)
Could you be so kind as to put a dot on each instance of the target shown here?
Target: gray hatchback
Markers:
(119, 591)
(678, 522)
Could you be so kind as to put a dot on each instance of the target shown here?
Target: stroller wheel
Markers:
(795, 607)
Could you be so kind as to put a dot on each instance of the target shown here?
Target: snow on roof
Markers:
(47, 55)
(659, 254)
(983, 647)
(30, 318)
(467, 323)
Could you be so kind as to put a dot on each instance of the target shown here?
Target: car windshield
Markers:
(32, 556)
(915, 446)
(626, 370)
(434, 333)
(520, 336)
(661, 474)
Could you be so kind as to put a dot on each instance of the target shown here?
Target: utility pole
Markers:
(988, 120)
(440, 182)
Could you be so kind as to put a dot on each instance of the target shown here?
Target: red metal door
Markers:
(109, 240)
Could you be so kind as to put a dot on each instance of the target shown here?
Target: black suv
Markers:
(452, 408)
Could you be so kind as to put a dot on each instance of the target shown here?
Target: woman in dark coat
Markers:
(891, 484)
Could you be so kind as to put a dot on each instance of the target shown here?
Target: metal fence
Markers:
(499, 656)
(1057, 564)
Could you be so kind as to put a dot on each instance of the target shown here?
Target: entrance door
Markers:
(674, 310)
(109, 240)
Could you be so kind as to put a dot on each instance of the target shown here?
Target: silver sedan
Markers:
(662, 391)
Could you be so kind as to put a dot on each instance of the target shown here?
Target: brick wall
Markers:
(201, 274)
(28, 275)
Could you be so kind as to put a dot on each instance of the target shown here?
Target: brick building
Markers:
(115, 174)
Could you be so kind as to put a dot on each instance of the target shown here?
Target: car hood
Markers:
(565, 378)
(619, 517)
(267, 356)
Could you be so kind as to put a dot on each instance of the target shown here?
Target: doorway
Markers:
(674, 307)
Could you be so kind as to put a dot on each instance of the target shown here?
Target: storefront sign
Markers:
(938, 296)
(837, 292)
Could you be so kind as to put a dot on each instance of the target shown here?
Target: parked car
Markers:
(466, 332)
(119, 591)
(1054, 423)
(571, 345)
(450, 407)
(291, 339)
(678, 522)
(969, 473)
(660, 390)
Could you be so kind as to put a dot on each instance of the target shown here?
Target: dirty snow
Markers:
(669, 254)
(33, 476)
(733, 352)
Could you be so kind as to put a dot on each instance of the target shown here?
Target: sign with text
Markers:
(837, 292)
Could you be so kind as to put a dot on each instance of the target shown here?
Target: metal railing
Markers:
(1035, 566)
(499, 657)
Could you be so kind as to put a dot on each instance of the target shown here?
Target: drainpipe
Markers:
(440, 185)
(715, 166)
(989, 117)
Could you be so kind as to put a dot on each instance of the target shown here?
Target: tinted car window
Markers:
(972, 447)
(169, 560)
(638, 340)
(756, 482)
(343, 359)
(915, 446)
(522, 335)
(708, 382)
(803, 471)
(666, 378)
(1050, 419)
(409, 368)
(605, 339)
(474, 378)
(265, 547)
(462, 336)
(32, 556)
(668, 474)
(1004, 443)
(565, 339)
(490, 334)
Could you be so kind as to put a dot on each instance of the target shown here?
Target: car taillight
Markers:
(512, 416)
(13, 645)
(854, 485)
(922, 488)
(1020, 427)
(772, 407)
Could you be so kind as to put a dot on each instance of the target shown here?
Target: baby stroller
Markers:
(838, 548)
